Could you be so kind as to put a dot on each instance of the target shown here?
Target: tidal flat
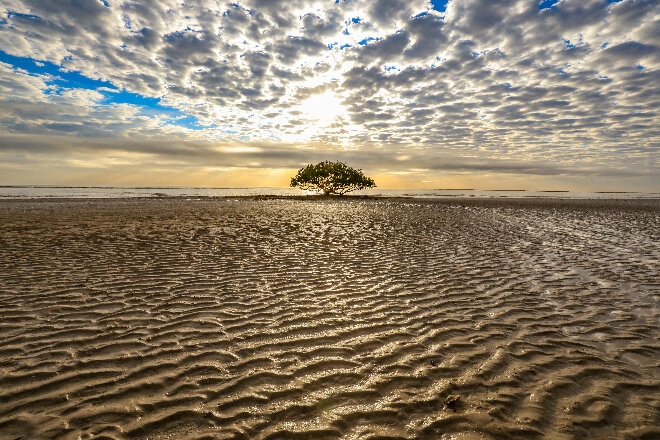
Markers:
(337, 318)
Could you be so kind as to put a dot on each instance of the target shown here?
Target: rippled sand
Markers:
(352, 319)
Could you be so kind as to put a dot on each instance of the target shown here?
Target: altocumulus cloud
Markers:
(516, 87)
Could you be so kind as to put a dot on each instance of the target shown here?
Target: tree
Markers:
(331, 178)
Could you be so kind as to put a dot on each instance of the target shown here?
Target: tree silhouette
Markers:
(331, 178)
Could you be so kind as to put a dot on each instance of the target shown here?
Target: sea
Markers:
(112, 192)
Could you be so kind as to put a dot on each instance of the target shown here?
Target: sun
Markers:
(323, 107)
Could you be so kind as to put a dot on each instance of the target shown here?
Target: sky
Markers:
(487, 94)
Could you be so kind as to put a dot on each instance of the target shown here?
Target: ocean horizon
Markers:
(111, 192)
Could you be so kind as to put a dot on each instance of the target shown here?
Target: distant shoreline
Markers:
(210, 188)
(102, 192)
(646, 204)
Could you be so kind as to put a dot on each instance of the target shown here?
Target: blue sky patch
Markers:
(548, 4)
(13, 14)
(335, 44)
(439, 5)
(59, 76)
(59, 79)
(124, 97)
(367, 40)
(551, 4)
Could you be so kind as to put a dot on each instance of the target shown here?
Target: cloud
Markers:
(568, 87)
(162, 153)
(291, 49)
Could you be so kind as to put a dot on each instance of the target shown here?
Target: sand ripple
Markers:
(285, 319)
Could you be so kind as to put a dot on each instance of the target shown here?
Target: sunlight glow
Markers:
(240, 149)
(324, 108)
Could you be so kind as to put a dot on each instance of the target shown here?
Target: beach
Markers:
(337, 318)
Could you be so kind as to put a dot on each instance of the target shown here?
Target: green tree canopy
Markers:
(331, 178)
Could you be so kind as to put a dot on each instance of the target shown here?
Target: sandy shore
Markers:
(353, 319)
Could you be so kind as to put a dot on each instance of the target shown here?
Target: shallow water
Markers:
(328, 319)
(112, 192)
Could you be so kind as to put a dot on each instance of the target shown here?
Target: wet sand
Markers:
(341, 319)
